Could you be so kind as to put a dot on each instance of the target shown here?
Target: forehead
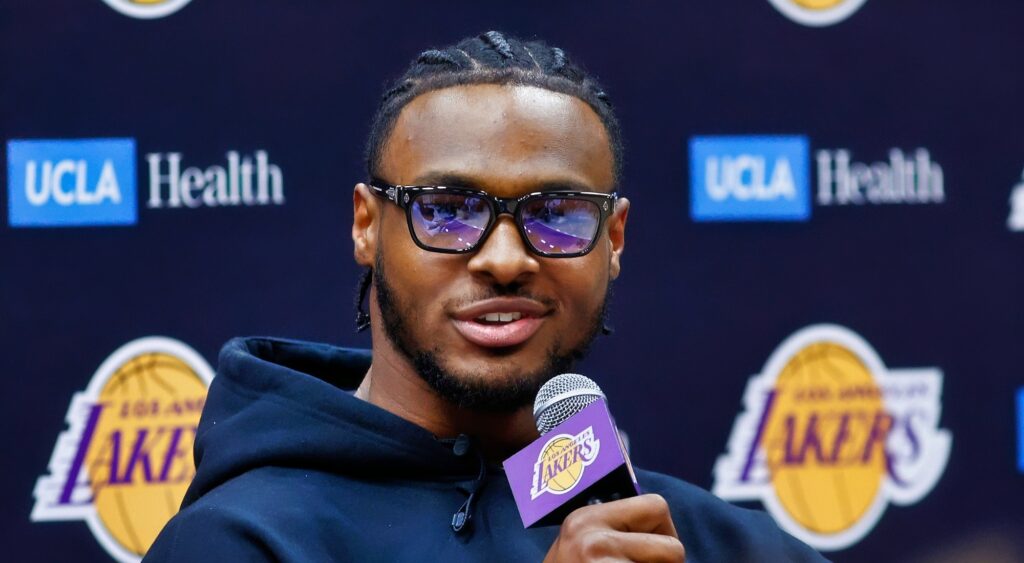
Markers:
(505, 139)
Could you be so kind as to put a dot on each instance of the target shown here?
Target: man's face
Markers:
(507, 141)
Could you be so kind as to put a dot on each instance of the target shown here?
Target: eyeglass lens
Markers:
(560, 225)
(553, 225)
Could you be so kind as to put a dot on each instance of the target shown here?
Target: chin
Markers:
(497, 372)
(491, 386)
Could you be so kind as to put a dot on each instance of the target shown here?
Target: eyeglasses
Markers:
(558, 224)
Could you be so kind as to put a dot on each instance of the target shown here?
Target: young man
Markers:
(492, 231)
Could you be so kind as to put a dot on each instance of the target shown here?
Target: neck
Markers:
(393, 385)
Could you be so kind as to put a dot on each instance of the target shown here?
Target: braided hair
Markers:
(489, 58)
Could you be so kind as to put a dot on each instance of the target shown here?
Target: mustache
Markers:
(510, 290)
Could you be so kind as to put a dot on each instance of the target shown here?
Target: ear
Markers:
(365, 222)
(617, 235)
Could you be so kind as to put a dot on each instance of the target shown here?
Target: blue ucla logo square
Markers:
(750, 178)
(71, 182)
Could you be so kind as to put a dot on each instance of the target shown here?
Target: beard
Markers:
(505, 392)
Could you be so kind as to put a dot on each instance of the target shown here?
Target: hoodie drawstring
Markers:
(464, 514)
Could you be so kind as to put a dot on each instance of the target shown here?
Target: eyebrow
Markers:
(452, 179)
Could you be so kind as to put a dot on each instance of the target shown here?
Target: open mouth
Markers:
(500, 322)
(498, 318)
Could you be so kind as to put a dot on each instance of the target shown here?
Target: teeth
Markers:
(500, 317)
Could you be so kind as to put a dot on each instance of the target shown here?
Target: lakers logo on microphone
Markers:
(829, 437)
(126, 459)
(561, 462)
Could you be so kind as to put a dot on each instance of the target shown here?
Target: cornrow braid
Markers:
(489, 58)
(498, 42)
(362, 316)
(558, 59)
(435, 57)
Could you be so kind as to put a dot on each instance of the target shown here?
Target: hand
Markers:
(633, 529)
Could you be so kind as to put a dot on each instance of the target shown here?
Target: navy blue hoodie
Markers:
(292, 467)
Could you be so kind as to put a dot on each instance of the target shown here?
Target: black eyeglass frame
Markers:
(403, 196)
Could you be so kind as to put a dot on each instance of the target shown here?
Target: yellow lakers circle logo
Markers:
(561, 479)
(829, 436)
(818, 438)
(142, 463)
(562, 460)
(125, 461)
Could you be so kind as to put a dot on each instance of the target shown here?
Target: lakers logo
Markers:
(147, 9)
(126, 460)
(817, 13)
(561, 462)
(830, 436)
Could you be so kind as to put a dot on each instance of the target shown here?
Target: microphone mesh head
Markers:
(561, 397)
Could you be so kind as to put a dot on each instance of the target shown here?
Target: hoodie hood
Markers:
(284, 403)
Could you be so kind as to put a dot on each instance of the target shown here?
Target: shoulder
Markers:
(243, 519)
(714, 530)
(217, 527)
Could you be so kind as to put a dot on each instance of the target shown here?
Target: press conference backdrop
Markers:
(821, 309)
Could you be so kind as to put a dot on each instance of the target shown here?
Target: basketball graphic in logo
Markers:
(561, 462)
(817, 394)
(829, 437)
(567, 477)
(126, 460)
(157, 399)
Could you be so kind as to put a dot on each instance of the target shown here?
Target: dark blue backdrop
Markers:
(699, 307)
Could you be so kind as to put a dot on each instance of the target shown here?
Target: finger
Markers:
(648, 548)
(643, 514)
(653, 548)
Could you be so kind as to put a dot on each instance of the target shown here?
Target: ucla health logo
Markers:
(92, 182)
(767, 178)
(71, 183)
(817, 13)
(829, 437)
(759, 178)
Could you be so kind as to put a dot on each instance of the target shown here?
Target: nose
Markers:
(503, 258)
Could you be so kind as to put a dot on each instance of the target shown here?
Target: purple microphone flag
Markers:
(552, 475)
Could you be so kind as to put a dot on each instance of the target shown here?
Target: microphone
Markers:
(579, 459)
